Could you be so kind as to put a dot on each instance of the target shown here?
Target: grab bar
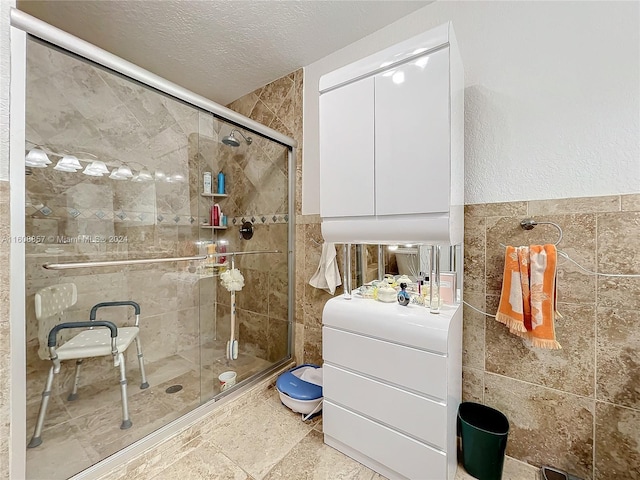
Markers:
(115, 263)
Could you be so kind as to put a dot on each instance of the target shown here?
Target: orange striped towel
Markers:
(528, 298)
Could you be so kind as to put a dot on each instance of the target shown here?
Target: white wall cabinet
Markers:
(348, 129)
(412, 137)
(388, 170)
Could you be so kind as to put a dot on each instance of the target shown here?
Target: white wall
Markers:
(552, 96)
(5, 63)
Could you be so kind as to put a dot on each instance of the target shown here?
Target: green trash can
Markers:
(484, 432)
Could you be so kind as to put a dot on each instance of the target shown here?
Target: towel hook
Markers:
(529, 223)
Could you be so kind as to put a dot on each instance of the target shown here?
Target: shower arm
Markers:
(246, 139)
(113, 263)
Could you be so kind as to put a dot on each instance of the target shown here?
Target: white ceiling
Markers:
(220, 49)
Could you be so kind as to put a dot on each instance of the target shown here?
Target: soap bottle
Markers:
(221, 183)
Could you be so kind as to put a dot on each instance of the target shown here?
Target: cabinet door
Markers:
(412, 136)
(346, 150)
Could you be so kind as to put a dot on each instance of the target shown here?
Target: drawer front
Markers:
(408, 457)
(404, 366)
(402, 410)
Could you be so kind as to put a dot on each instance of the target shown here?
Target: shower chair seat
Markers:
(100, 338)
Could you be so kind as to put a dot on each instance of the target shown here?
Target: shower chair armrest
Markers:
(135, 305)
(52, 340)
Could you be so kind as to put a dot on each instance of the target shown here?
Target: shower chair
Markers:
(93, 341)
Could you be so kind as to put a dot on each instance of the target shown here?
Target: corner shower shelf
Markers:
(214, 227)
(215, 195)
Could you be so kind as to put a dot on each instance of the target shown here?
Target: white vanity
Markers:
(392, 386)
(392, 172)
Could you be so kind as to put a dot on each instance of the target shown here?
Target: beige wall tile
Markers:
(560, 425)
(279, 106)
(255, 293)
(313, 345)
(244, 105)
(307, 219)
(253, 333)
(473, 340)
(575, 205)
(630, 203)
(618, 244)
(496, 209)
(474, 255)
(300, 277)
(277, 339)
(618, 369)
(298, 338)
(278, 295)
(262, 114)
(617, 443)
(570, 369)
(274, 94)
(472, 385)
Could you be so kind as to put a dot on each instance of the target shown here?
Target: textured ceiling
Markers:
(220, 49)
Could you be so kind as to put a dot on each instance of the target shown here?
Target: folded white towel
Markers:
(327, 276)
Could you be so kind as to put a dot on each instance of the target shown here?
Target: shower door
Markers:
(256, 196)
(116, 210)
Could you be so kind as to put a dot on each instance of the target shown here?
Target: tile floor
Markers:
(266, 441)
(90, 426)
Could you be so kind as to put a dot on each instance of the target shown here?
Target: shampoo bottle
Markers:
(207, 183)
(221, 183)
(215, 215)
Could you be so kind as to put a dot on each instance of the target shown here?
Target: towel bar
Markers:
(529, 223)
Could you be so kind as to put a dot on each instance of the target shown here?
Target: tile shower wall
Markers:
(279, 106)
(255, 179)
(577, 408)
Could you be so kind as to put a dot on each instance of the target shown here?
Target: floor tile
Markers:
(311, 459)
(206, 461)
(61, 454)
(258, 437)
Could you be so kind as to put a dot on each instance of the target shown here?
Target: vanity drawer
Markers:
(408, 367)
(402, 454)
(405, 411)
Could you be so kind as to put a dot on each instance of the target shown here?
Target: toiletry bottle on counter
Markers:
(403, 296)
(207, 183)
(221, 183)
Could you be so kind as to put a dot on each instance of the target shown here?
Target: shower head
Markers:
(232, 141)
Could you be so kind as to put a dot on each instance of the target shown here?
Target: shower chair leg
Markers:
(126, 422)
(46, 395)
(74, 392)
(144, 383)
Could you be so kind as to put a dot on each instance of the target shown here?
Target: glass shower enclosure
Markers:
(117, 210)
